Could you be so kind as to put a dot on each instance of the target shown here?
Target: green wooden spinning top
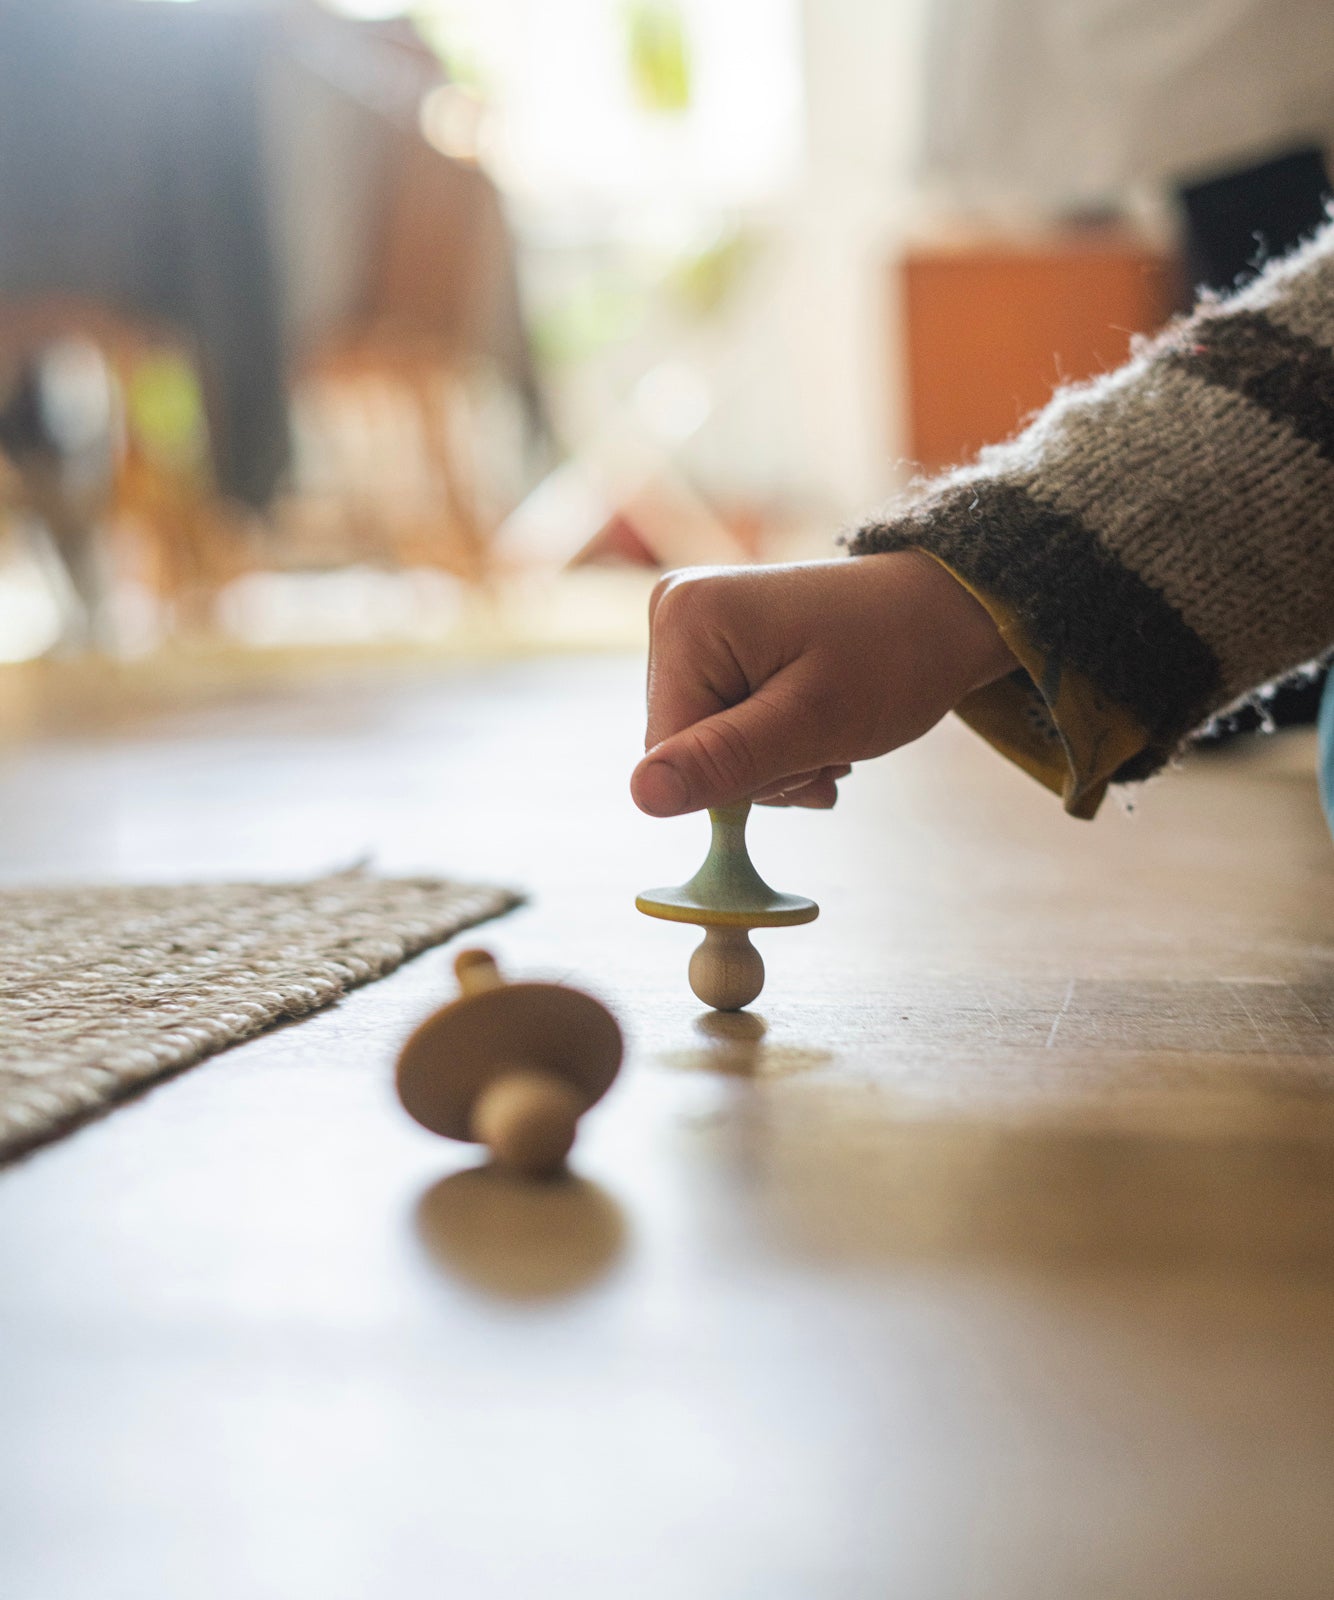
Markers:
(727, 897)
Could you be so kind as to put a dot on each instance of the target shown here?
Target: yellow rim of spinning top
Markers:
(727, 892)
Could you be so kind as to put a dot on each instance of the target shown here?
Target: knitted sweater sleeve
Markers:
(1157, 543)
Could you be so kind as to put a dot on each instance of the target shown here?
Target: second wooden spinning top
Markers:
(512, 1066)
(727, 898)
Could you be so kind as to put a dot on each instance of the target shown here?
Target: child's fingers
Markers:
(819, 792)
(778, 793)
(733, 754)
(819, 795)
(689, 679)
(714, 637)
(785, 786)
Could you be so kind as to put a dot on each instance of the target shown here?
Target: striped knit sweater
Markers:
(1155, 544)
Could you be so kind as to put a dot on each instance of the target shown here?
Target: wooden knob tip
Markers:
(528, 1120)
(477, 971)
(726, 971)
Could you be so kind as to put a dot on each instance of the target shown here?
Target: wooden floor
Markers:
(991, 1255)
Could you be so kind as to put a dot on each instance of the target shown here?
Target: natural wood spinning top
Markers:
(726, 898)
(512, 1066)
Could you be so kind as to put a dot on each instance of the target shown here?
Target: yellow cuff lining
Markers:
(1050, 720)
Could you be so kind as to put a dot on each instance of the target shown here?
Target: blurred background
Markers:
(359, 326)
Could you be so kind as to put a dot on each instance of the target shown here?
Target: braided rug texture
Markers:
(103, 990)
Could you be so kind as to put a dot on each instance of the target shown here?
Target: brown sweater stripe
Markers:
(1286, 374)
(1100, 618)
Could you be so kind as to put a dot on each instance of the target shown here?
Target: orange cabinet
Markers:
(992, 328)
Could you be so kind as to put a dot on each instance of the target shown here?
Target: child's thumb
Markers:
(718, 761)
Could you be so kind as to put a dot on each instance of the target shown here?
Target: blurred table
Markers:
(992, 1255)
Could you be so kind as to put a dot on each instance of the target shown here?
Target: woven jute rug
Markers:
(104, 989)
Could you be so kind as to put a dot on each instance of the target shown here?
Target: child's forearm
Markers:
(1165, 533)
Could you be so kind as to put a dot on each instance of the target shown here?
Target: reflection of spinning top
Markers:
(498, 1233)
(726, 898)
(510, 1065)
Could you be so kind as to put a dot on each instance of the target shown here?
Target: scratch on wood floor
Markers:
(1259, 1032)
(1056, 1020)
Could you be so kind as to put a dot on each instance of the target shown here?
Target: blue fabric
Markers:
(1326, 729)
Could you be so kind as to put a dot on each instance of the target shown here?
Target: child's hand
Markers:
(766, 683)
